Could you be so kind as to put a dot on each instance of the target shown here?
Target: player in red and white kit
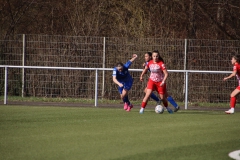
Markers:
(157, 80)
(148, 57)
(236, 72)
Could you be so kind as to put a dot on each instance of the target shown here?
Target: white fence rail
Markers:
(105, 52)
(104, 69)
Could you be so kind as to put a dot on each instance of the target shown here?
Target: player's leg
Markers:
(122, 96)
(162, 94)
(145, 100)
(165, 102)
(150, 88)
(233, 100)
(172, 101)
(154, 97)
(127, 86)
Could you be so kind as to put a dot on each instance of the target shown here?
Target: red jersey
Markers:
(156, 69)
(236, 67)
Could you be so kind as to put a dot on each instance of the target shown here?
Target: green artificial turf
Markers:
(28, 132)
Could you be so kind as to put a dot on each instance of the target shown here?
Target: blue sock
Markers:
(171, 100)
(153, 96)
(126, 100)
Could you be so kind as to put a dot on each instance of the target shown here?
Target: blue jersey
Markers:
(124, 75)
(146, 63)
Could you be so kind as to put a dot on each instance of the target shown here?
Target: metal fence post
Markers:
(96, 88)
(5, 85)
(185, 73)
(186, 90)
(23, 64)
(185, 54)
(103, 66)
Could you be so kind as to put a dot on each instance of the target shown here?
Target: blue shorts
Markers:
(127, 85)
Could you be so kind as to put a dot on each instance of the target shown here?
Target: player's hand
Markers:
(141, 78)
(134, 56)
(120, 85)
(162, 84)
(225, 78)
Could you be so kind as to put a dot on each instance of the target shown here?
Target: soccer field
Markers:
(31, 132)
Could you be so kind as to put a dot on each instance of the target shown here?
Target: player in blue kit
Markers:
(124, 80)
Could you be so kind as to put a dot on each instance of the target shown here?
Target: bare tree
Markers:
(218, 25)
(192, 25)
(138, 18)
(12, 15)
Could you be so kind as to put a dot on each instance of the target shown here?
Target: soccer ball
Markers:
(159, 109)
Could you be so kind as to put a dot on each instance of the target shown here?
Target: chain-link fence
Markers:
(105, 52)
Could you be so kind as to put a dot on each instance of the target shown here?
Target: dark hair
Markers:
(159, 57)
(149, 53)
(119, 64)
(237, 57)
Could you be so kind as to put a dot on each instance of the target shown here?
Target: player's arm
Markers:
(128, 64)
(133, 57)
(116, 81)
(143, 72)
(231, 75)
(144, 64)
(165, 77)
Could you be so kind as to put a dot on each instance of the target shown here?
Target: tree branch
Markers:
(217, 25)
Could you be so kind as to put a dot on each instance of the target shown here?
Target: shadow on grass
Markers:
(213, 151)
(190, 112)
